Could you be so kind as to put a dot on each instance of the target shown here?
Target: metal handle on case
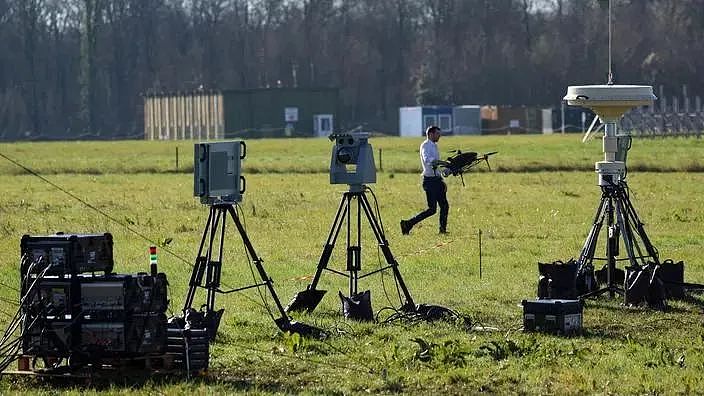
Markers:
(243, 183)
(244, 149)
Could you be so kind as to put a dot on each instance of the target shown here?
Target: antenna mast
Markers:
(611, 74)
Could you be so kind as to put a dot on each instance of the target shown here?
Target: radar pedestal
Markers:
(615, 210)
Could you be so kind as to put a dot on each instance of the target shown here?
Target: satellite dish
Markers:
(610, 102)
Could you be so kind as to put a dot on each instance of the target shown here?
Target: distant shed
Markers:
(467, 120)
(251, 113)
(414, 120)
(511, 119)
(272, 112)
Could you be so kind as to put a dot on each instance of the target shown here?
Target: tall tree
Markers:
(92, 12)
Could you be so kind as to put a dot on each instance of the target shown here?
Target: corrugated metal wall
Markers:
(191, 115)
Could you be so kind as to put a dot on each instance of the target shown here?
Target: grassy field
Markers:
(537, 205)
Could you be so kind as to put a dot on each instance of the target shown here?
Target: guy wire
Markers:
(91, 206)
(108, 216)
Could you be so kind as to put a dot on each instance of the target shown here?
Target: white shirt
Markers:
(429, 153)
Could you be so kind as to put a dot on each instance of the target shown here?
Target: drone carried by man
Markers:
(462, 162)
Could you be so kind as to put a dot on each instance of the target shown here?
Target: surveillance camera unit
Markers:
(217, 171)
(352, 160)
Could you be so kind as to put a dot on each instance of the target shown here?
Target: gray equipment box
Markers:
(552, 316)
(217, 169)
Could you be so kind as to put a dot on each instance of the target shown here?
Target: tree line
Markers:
(78, 68)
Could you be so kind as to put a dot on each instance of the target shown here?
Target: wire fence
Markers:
(647, 123)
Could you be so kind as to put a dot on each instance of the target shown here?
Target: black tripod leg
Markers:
(626, 231)
(199, 267)
(215, 267)
(340, 216)
(639, 226)
(354, 253)
(309, 298)
(284, 319)
(384, 245)
(586, 256)
(611, 245)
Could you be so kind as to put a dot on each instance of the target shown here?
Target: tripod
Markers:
(621, 221)
(310, 298)
(210, 267)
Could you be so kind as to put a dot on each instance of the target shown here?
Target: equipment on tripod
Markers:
(645, 277)
(352, 163)
(460, 163)
(218, 183)
(352, 160)
(615, 210)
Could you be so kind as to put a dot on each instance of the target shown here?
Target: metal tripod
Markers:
(210, 267)
(622, 222)
(310, 298)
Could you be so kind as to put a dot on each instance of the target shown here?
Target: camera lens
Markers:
(344, 156)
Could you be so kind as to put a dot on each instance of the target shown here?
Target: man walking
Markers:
(433, 185)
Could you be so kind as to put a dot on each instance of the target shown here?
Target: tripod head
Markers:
(460, 162)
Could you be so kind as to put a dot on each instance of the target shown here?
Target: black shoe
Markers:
(405, 227)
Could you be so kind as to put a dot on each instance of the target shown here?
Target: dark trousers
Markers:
(436, 193)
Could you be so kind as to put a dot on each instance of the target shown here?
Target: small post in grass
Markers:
(381, 167)
(480, 253)
(176, 158)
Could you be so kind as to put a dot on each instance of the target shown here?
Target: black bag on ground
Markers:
(586, 281)
(645, 285)
(602, 275)
(357, 306)
(557, 280)
(672, 275)
(636, 286)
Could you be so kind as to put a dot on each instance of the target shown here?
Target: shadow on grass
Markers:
(150, 383)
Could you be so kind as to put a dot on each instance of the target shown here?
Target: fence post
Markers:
(381, 166)
(176, 158)
(480, 253)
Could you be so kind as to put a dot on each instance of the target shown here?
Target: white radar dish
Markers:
(610, 102)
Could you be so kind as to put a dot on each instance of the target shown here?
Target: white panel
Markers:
(547, 121)
(410, 122)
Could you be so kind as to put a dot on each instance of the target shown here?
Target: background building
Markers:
(244, 113)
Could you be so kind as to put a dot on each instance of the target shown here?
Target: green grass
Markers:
(522, 153)
(538, 206)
